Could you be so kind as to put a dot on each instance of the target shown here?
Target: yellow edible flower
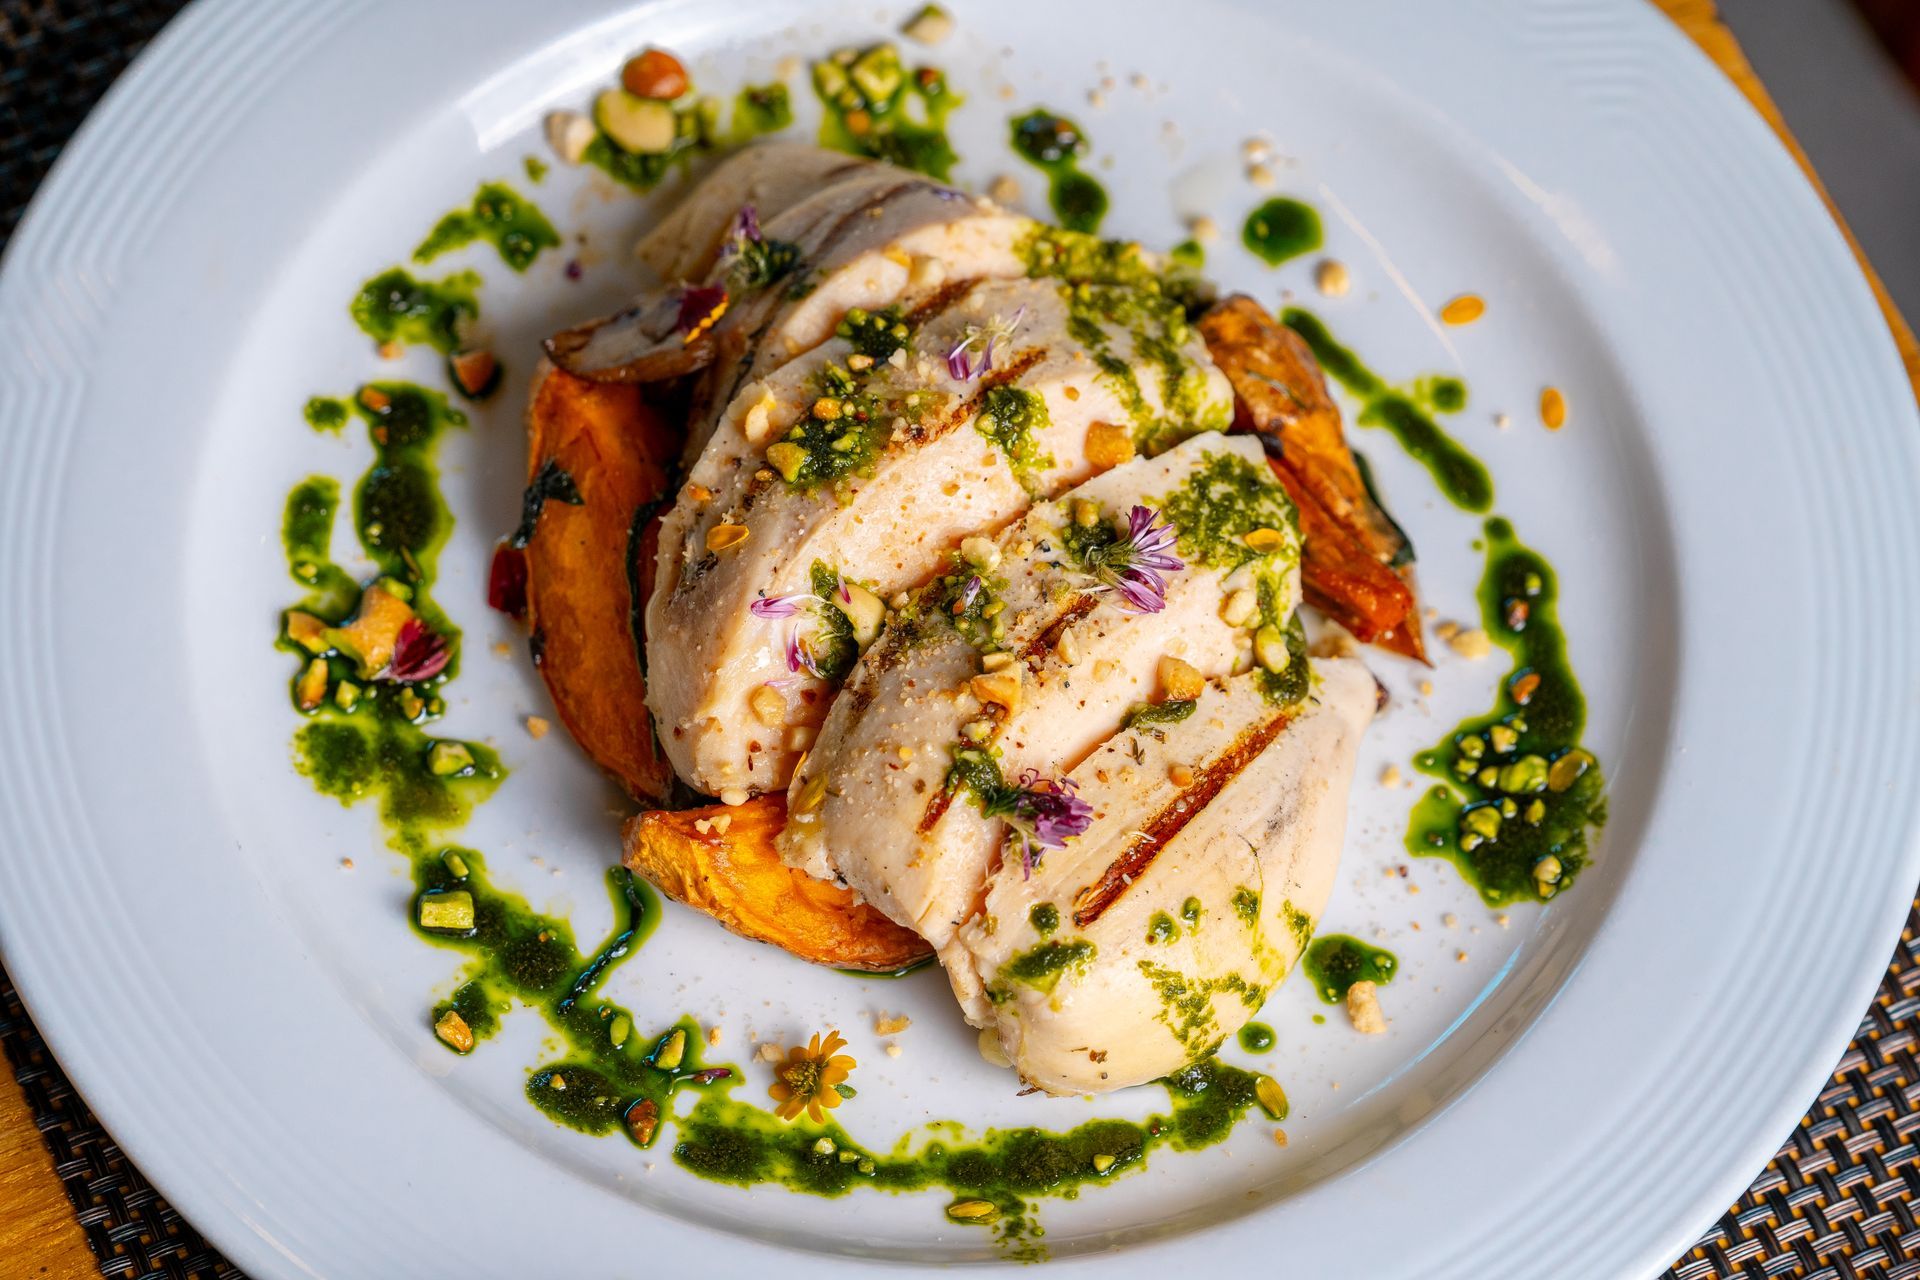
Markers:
(806, 1080)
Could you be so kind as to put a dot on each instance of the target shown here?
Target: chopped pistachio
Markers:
(346, 695)
(787, 458)
(455, 864)
(450, 911)
(449, 759)
(1536, 811)
(311, 689)
(1473, 746)
(973, 1211)
(1273, 1099)
(1566, 770)
(1270, 648)
(671, 1050)
(618, 1032)
(1528, 773)
(306, 631)
(1483, 821)
(1503, 738)
(1102, 1163)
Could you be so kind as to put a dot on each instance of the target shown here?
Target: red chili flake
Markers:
(710, 1074)
(1523, 687)
(507, 581)
(419, 653)
(700, 306)
(1517, 613)
(573, 269)
(643, 1118)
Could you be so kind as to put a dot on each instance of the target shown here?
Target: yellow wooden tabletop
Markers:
(39, 1233)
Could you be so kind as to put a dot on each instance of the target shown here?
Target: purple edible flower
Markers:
(1045, 815)
(779, 606)
(700, 306)
(960, 360)
(1134, 565)
(799, 656)
(746, 223)
(970, 593)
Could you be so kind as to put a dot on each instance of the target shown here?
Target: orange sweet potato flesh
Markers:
(736, 876)
(1355, 564)
(584, 561)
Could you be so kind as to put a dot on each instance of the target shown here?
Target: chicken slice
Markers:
(1141, 945)
(771, 176)
(947, 713)
(938, 458)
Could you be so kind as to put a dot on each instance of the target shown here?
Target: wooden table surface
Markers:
(39, 1232)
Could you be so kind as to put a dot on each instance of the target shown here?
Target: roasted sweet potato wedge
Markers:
(722, 860)
(1357, 566)
(599, 462)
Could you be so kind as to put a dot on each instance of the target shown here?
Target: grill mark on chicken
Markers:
(936, 810)
(1036, 650)
(1093, 900)
(941, 300)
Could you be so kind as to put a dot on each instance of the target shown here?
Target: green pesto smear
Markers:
(325, 413)
(1054, 144)
(1114, 292)
(1256, 1037)
(1225, 500)
(513, 225)
(1519, 794)
(1281, 229)
(761, 109)
(366, 736)
(1406, 413)
(854, 406)
(1336, 961)
(394, 307)
(612, 1075)
(876, 108)
(727, 1141)
(1011, 417)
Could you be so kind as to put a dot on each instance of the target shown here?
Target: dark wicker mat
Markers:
(1837, 1203)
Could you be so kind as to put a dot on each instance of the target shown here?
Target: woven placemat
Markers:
(1837, 1203)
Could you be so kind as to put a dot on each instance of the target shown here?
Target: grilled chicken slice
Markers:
(1359, 565)
(944, 713)
(738, 687)
(871, 237)
(1142, 944)
(771, 176)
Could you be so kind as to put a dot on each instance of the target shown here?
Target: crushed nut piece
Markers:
(1332, 278)
(1363, 1008)
(1180, 681)
(1390, 776)
(1181, 776)
(722, 536)
(537, 727)
(1471, 644)
(891, 1024)
(1004, 190)
(1204, 229)
(1109, 444)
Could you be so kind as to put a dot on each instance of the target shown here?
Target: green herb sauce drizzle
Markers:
(1281, 229)
(1520, 794)
(1407, 414)
(509, 222)
(1054, 144)
(1336, 961)
(394, 307)
(875, 108)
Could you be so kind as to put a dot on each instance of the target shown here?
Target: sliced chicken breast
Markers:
(775, 512)
(945, 712)
(1144, 943)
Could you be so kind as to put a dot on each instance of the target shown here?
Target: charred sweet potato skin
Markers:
(584, 576)
(1356, 565)
(722, 860)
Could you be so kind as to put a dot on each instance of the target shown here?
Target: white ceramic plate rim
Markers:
(1674, 1103)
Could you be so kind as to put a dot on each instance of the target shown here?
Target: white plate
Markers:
(1731, 512)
